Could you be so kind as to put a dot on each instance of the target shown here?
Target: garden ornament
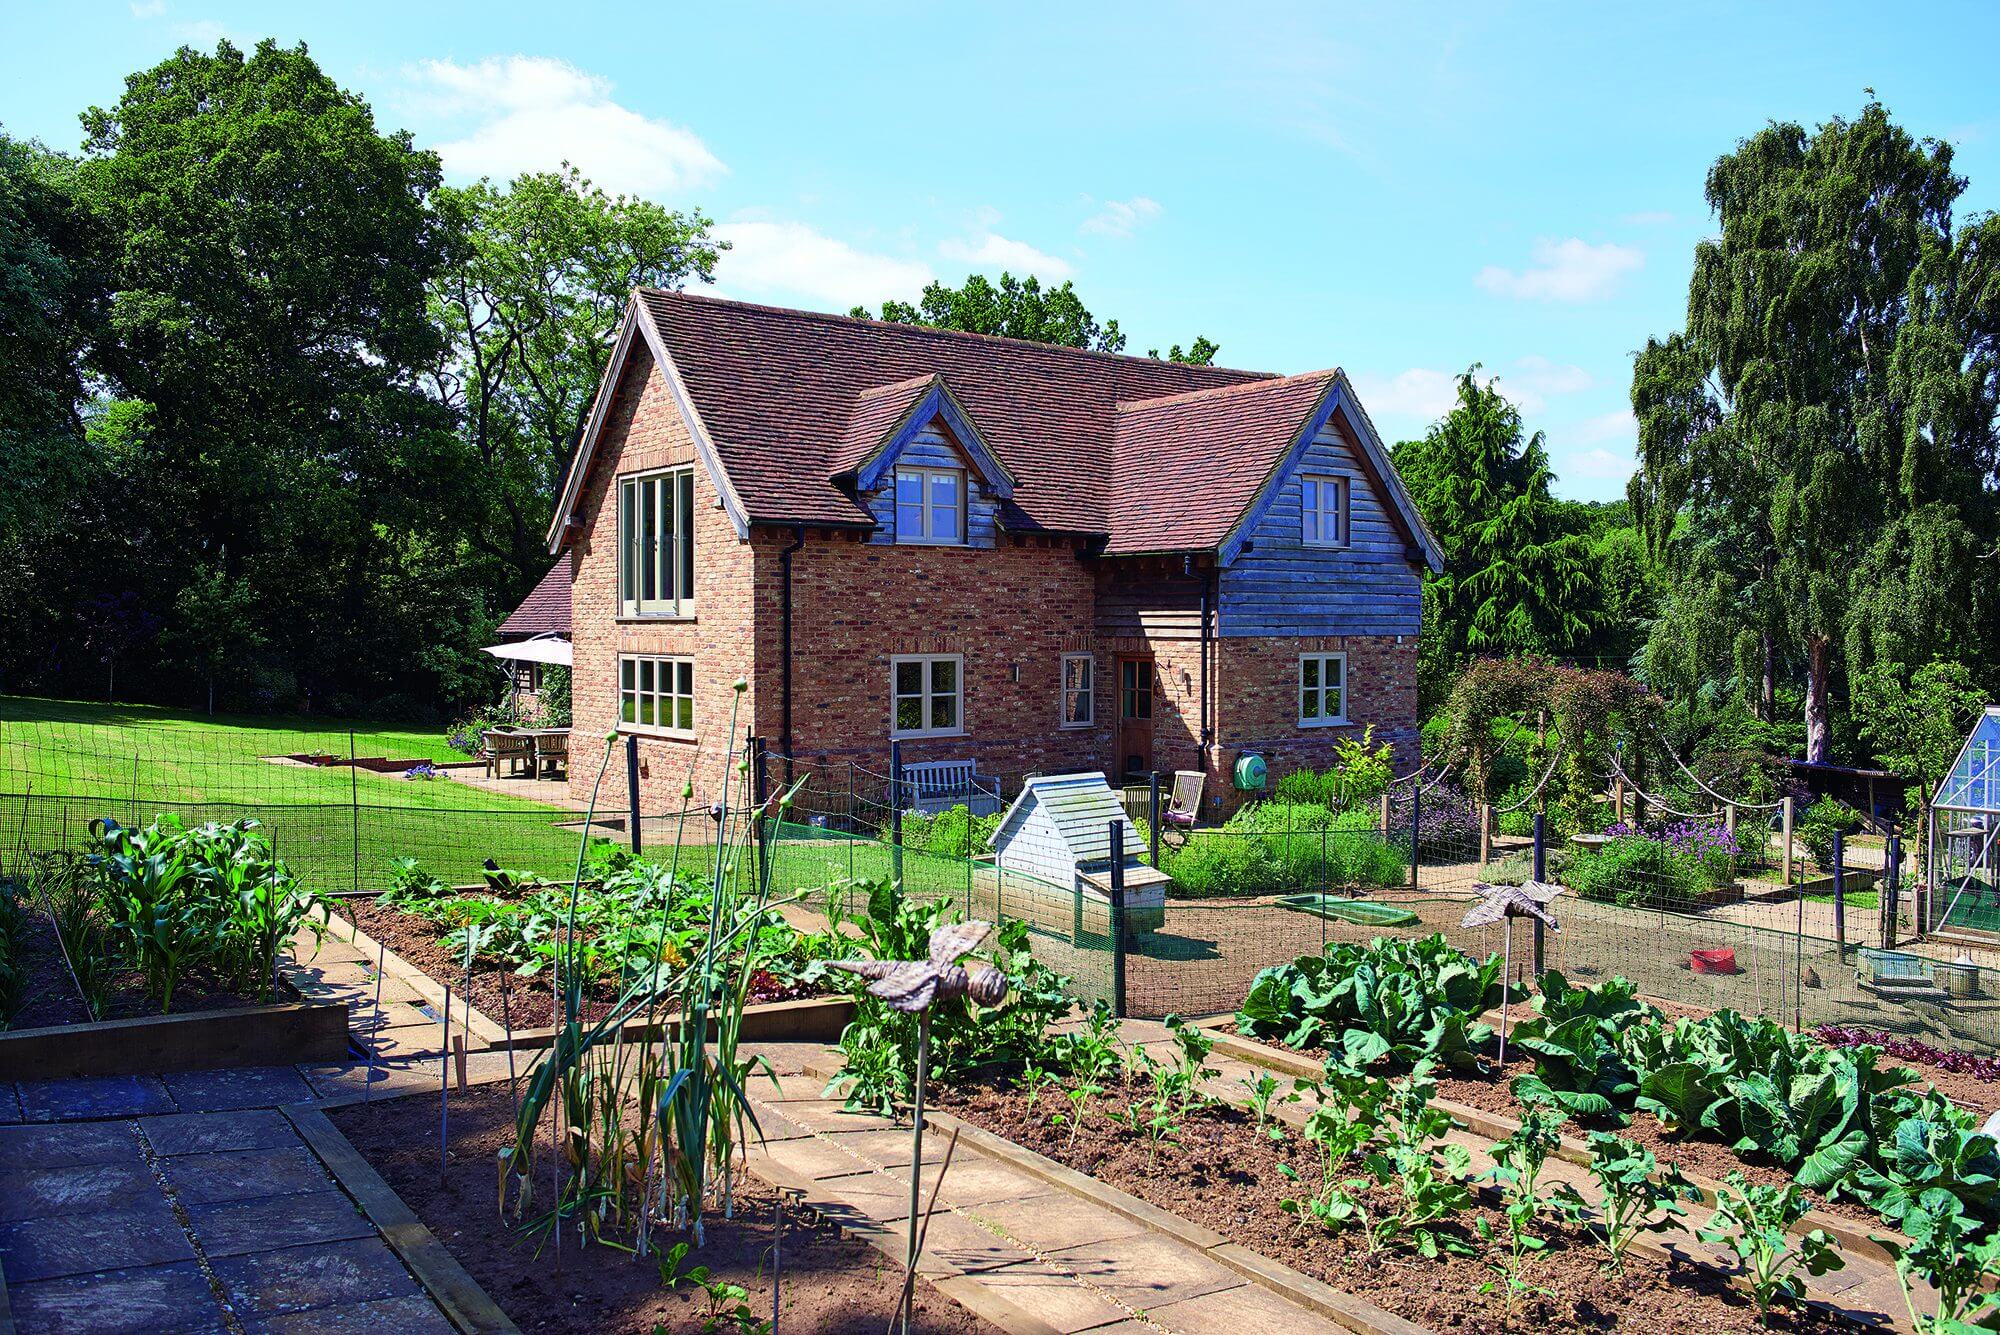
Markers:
(1503, 904)
(911, 986)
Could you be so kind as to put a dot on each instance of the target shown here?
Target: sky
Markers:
(1399, 190)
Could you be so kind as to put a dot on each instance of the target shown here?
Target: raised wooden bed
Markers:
(277, 1035)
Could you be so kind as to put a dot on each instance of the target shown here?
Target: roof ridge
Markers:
(889, 387)
(1224, 391)
(932, 331)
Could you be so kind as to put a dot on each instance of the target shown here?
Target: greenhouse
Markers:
(1964, 821)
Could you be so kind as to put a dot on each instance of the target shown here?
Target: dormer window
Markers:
(930, 505)
(1323, 504)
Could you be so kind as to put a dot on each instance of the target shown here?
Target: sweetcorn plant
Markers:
(1755, 1221)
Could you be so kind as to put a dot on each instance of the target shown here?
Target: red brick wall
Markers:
(645, 430)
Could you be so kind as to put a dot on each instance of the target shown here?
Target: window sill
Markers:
(1324, 546)
(1084, 726)
(658, 619)
(927, 736)
(654, 730)
(931, 542)
(1325, 723)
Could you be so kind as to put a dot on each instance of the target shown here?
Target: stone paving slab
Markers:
(242, 1087)
(402, 1316)
(234, 1175)
(1146, 1270)
(236, 1228)
(79, 1242)
(329, 1274)
(10, 1104)
(38, 1193)
(156, 1300)
(211, 1132)
(94, 1097)
(57, 1144)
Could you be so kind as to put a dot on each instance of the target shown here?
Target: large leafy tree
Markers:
(1023, 308)
(1517, 576)
(528, 304)
(1817, 447)
(1916, 720)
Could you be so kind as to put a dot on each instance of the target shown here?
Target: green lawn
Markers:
(66, 762)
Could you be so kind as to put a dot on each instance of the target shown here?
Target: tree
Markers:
(528, 305)
(1516, 577)
(214, 626)
(1199, 353)
(1022, 308)
(1916, 721)
(1825, 426)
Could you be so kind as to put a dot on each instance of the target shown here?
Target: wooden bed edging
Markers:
(805, 1020)
(282, 1034)
(1852, 1235)
(455, 1292)
(1356, 1314)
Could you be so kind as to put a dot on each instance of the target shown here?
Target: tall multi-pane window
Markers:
(1322, 690)
(927, 694)
(1323, 506)
(656, 544)
(930, 505)
(656, 692)
(1078, 705)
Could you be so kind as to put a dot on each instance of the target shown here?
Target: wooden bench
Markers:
(940, 785)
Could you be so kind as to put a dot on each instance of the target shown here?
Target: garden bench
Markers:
(939, 785)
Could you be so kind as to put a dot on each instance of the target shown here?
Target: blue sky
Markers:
(1396, 190)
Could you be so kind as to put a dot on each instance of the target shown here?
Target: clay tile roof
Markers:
(878, 410)
(779, 389)
(545, 611)
(1185, 468)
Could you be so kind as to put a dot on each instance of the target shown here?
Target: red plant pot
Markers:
(1720, 959)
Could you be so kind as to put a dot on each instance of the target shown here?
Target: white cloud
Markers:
(1618, 427)
(792, 260)
(148, 9)
(533, 113)
(1570, 270)
(1534, 380)
(1594, 465)
(994, 251)
(1121, 217)
(1418, 393)
(203, 34)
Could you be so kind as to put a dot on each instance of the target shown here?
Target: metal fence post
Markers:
(1786, 807)
(1153, 822)
(1416, 829)
(353, 800)
(1540, 866)
(1840, 894)
(1892, 884)
(1118, 919)
(896, 809)
(632, 785)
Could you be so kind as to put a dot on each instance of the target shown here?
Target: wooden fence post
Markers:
(1485, 833)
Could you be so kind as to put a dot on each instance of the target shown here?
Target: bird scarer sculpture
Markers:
(1503, 904)
(913, 986)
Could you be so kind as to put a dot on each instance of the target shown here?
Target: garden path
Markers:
(1009, 1246)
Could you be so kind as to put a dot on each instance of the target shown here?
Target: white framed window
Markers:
(656, 543)
(927, 695)
(1079, 702)
(1322, 690)
(656, 693)
(930, 505)
(1323, 505)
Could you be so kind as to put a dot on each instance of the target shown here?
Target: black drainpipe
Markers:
(1209, 595)
(785, 648)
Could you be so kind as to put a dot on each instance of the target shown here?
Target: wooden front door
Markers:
(1135, 715)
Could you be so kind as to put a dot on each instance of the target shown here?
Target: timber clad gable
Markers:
(1119, 509)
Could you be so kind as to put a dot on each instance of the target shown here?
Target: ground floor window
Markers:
(927, 694)
(656, 692)
(1078, 702)
(1322, 690)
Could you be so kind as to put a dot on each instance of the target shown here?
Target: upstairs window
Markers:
(656, 544)
(1323, 502)
(1322, 690)
(928, 695)
(930, 505)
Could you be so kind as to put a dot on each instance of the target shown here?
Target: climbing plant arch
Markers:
(1589, 711)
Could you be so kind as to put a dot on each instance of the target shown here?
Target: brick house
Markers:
(1036, 558)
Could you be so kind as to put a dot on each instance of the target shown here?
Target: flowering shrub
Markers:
(423, 769)
(1635, 870)
(1448, 821)
(1707, 844)
(1912, 1050)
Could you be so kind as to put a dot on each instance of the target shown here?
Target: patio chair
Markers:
(552, 753)
(1182, 808)
(514, 749)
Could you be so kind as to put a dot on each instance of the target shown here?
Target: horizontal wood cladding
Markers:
(1149, 598)
(932, 448)
(1280, 586)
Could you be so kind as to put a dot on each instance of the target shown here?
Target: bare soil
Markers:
(829, 1282)
(496, 993)
(1230, 1176)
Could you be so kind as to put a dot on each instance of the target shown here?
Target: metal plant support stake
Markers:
(911, 986)
(1503, 904)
